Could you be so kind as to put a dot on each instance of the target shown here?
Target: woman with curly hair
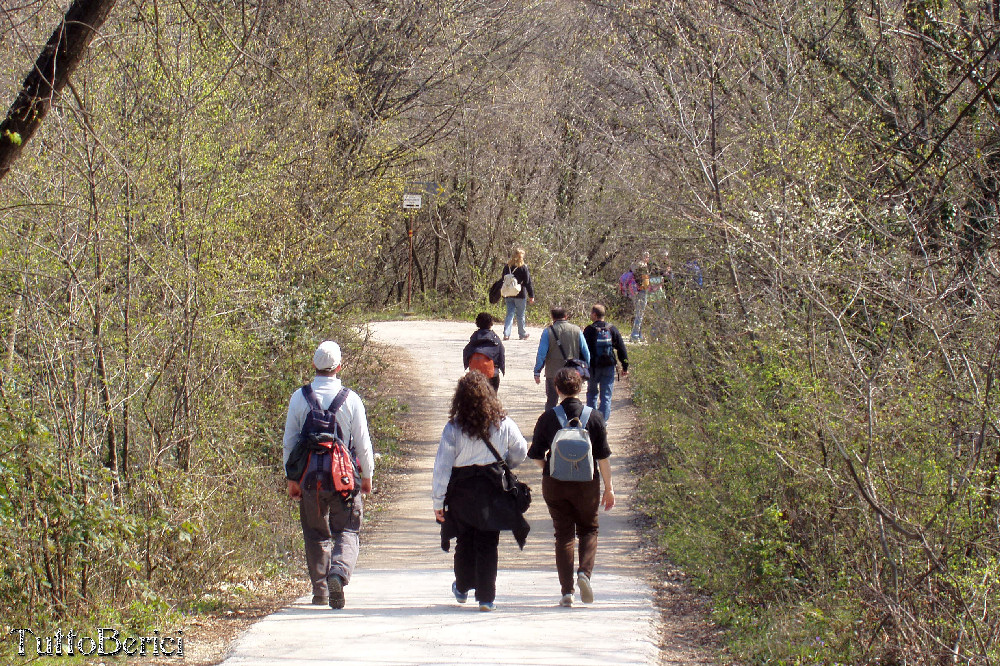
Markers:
(467, 486)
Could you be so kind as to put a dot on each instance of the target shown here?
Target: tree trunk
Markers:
(51, 72)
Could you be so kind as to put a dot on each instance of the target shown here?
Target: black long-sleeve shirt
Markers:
(523, 277)
(617, 343)
(548, 425)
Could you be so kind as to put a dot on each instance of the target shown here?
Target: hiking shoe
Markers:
(320, 600)
(336, 586)
(566, 601)
(586, 591)
(524, 337)
(486, 606)
(459, 597)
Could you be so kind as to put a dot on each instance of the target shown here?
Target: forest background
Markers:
(218, 187)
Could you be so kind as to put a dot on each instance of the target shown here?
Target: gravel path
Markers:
(399, 606)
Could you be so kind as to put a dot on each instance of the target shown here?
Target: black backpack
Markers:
(321, 453)
(604, 351)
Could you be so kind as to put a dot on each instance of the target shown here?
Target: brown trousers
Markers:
(331, 531)
(573, 506)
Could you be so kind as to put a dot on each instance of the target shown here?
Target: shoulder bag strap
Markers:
(555, 337)
(496, 453)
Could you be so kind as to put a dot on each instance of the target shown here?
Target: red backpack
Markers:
(483, 364)
(329, 457)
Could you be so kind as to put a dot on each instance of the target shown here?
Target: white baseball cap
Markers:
(327, 356)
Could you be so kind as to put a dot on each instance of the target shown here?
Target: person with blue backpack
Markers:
(603, 340)
(328, 466)
(570, 444)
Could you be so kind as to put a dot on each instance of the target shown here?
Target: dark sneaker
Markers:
(320, 600)
(486, 606)
(524, 337)
(586, 591)
(336, 586)
(459, 597)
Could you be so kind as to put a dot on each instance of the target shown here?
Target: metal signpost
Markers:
(415, 201)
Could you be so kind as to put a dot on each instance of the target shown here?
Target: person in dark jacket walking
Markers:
(573, 505)
(603, 340)
(485, 343)
(467, 481)
(517, 304)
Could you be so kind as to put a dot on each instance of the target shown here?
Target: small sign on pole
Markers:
(413, 201)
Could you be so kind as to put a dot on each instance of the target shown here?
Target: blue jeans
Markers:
(515, 306)
(640, 308)
(601, 380)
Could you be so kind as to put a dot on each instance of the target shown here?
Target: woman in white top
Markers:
(466, 486)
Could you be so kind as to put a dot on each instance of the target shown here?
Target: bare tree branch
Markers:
(56, 63)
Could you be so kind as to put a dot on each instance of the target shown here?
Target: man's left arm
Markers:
(619, 344)
(362, 441)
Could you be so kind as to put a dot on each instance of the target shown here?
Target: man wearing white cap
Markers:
(330, 525)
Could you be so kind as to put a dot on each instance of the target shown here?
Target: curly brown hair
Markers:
(476, 407)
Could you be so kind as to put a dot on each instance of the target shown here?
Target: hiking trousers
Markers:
(573, 506)
(601, 384)
(476, 560)
(639, 300)
(551, 396)
(331, 532)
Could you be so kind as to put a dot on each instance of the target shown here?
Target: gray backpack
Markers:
(571, 457)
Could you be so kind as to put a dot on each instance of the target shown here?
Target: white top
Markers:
(460, 450)
(351, 417)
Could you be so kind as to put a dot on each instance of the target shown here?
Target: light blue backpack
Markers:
(571, 457)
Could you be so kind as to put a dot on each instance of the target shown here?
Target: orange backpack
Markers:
(483, 364)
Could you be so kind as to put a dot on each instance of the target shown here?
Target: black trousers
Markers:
(476, 561)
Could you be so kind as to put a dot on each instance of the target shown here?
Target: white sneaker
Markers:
(586, 591)
(566, 601)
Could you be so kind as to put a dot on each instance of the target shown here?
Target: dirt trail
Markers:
(399, 599)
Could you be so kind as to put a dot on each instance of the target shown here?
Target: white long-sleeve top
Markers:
(351, 417)
(458, 449)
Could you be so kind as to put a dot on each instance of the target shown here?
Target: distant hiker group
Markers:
(473, 479)
(329, 461)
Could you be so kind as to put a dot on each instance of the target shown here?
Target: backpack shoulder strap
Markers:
(339, 400)
(585, 416)
(310, 397)
(561, 415)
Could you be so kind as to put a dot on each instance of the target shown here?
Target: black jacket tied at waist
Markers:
(476, 498)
